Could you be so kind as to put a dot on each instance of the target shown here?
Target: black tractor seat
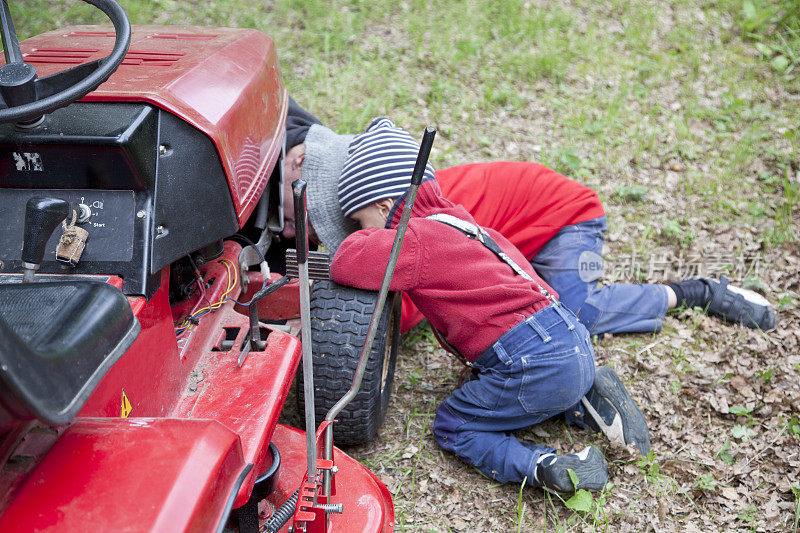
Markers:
(57, 341)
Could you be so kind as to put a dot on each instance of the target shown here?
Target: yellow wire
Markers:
(233, 278)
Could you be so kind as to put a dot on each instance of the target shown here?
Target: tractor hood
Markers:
(224, 81)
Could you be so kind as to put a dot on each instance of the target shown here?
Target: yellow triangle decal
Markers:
(125, 407)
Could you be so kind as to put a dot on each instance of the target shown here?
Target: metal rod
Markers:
(301, 225)
(10, 42)
(416, 180)
(29, 272)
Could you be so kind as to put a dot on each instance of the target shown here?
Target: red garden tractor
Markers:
(143, 362)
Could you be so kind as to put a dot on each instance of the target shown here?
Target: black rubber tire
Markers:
(340, 318)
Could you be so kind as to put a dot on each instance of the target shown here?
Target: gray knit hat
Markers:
(326, 153)
(379, 165)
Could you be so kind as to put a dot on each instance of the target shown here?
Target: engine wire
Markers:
(200, 285)
(193, 318)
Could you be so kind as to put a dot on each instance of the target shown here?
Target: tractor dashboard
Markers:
(147, 186)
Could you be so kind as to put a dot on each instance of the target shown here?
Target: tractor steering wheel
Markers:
(25, 99)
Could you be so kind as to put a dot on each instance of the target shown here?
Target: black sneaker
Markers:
(612, 411)
(725, 301)
(589, 466)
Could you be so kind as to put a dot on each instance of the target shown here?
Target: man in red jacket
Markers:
(557, 223)
(533, 358)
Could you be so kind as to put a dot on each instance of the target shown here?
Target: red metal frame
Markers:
(283, 304)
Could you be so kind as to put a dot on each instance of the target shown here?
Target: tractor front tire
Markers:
(340, 317)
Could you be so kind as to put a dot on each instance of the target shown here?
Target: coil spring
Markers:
(282, 515)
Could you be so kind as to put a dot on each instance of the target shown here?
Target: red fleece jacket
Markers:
(464, 290)
(527, 203)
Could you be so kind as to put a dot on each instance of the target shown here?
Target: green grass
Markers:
(774, 27)
(784, 228)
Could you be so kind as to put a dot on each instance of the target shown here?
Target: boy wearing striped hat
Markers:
(532, 358)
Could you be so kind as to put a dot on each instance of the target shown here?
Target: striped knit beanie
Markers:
(379, 165)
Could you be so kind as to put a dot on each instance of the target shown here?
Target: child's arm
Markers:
(361, 260)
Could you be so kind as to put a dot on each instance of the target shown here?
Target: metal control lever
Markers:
(42, 216)
(301, 228)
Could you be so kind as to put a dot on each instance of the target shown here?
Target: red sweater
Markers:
(526, 202)
(464, 290)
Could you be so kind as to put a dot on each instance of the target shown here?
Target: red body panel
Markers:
(247, 400)
(223, 81)
(282, 304)
(156, 352)
(198, 381)
(134, 474)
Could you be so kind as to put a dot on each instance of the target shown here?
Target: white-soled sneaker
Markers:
(589, 465)
(726, 301)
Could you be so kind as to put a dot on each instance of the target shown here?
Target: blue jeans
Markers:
(540, 368)
(571, 262)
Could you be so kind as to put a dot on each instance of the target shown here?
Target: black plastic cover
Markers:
(193, 204)
(101, 153)
(57, 341)
(83, 146)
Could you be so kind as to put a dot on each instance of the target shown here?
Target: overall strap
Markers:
(479, 234)
(449, 347)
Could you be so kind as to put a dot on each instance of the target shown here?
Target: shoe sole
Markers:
(628, 425)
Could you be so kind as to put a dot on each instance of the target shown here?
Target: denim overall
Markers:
(540, 368)
(615, 308)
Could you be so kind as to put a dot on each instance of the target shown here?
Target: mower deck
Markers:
(366, 500)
